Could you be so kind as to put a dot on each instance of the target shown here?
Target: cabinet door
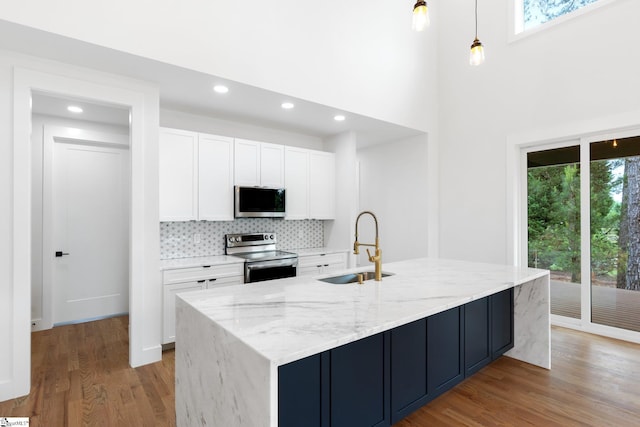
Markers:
(445, 350)
(178, 175)
(169, 307)
(215, 172)
(321, 185)
(358, 393)
(299, 393)
(296, 182)
(501, 322)
(409, 389)
(271, 165)
(477, 353)
(246, 163)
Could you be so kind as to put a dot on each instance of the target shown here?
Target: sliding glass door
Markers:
(615, 233)
(583, 222)
(553, 193)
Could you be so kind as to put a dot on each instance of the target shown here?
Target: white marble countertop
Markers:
(168, 264)
(316, 251)
(288, 319)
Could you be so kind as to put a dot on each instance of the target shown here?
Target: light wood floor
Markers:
(81, 377)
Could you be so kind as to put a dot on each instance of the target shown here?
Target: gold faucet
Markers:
(377, 258)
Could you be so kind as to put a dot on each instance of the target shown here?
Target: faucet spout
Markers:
(377, 258)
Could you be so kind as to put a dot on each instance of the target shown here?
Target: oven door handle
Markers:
(289, 262)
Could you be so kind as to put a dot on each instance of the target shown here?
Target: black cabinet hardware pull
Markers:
(212, 280)
(201, 281)
(60, 253)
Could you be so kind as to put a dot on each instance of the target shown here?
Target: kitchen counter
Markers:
(168, 264)
(229, 346)
(317, 251)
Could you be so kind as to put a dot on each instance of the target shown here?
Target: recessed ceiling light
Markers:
(287, 105)
(220, 89)
(74, 109)
(339, 118)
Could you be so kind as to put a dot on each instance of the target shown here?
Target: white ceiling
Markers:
(55, 106)
(191, 91)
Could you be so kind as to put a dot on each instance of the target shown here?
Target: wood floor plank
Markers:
(81, 377)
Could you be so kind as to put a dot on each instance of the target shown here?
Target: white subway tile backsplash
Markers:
(177, 238)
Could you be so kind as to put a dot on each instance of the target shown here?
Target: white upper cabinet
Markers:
(271, 165)
(296, 180)
(196, 176)
(178, 178)
(258, 164)
(310, 184)
(322, 192)
(247, 163)
(215, 178)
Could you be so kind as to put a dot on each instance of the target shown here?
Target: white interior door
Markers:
(89, 228)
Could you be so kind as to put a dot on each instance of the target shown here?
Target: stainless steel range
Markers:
(263, 261)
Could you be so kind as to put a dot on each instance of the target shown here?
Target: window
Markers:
(533, 13)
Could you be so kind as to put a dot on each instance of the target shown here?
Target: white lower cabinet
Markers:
(179, 280)
(310, 265)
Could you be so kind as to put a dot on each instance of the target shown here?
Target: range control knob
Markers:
(238, 239)
(266, 237)
(272, 237)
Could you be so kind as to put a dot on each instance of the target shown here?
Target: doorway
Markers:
(80, 195)
(144, 300)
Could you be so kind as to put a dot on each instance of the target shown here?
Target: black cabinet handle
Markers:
(201, 281)
(206, 266)
(60, 253)
(212, 280)
(326, 265)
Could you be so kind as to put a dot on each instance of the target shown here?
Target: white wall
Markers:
(577, 73)
(339, 233)
(357, 55)
(38, 121)
(394, 185)
(15, 229)
(216, 126)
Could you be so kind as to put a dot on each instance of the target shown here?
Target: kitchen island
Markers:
(231, 347)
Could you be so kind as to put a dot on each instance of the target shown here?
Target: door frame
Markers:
(576, 133)
(51, 135)
(144, 275)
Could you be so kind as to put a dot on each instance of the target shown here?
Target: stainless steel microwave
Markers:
(261, 202)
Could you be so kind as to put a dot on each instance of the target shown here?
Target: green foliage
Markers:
(554, 218)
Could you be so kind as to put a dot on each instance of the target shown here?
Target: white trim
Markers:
(144, 299)
(585, 233)
(516, 19)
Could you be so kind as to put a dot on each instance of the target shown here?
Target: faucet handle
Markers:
(356, 248)
(371, 258)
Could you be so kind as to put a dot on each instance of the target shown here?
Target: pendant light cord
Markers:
(476, 19)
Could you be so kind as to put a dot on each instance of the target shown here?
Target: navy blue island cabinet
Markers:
(378, 380)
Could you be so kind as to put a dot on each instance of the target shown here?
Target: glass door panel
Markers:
(615, 233)
(553, 209)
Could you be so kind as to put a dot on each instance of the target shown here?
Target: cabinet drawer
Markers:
(224, 281)
(202, 273)
(321, 260)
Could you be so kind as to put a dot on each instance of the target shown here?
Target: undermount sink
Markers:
(352, 277)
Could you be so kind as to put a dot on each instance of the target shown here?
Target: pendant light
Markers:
(476, 56)
(420, 16)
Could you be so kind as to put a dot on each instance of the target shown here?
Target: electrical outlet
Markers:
(196, 238)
